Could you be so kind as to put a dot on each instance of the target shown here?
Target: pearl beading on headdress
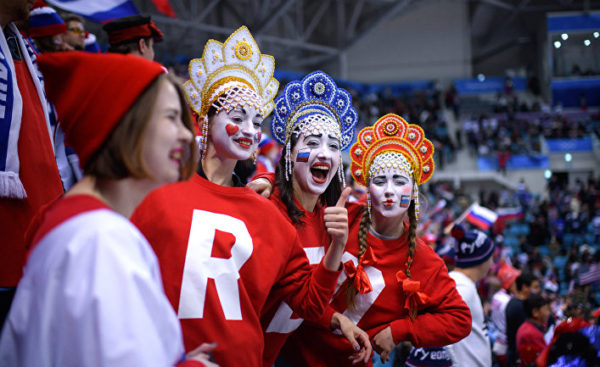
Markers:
(238, 96)
(390, 160)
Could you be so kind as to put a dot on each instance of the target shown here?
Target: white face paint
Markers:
(235, 134)
(316, 159)
(391, 192)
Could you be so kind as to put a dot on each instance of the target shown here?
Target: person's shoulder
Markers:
(425, 253)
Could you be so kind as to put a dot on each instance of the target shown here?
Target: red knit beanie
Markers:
(92, 92)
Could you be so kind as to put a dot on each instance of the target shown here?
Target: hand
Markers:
(336, 220)
(203, 354)
(261, 186)
(352, 333)
(384, 343)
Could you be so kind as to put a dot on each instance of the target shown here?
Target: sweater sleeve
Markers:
(270, 176)
(307, 290)
(190, 363)
(445, 319)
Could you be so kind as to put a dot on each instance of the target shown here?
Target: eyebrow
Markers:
(312, 136)
(399, 176)
(172, 109)
(333, 138)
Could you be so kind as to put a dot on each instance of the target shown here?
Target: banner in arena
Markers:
(570, 145)
(100, 10)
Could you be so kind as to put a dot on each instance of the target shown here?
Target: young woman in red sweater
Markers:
(223, 248)
(314, 120)
(394, 286)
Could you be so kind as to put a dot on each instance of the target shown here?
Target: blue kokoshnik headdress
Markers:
(314, 104)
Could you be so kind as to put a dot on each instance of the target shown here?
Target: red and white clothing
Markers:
(278, 320)
(91, 295)
(443, 318)
(37, 167)
(222, 250)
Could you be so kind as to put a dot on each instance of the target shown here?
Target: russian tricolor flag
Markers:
(302, 156)
(481, 217)
(98, 10)
(506, 214)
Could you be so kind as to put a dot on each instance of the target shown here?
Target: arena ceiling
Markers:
(306, 34)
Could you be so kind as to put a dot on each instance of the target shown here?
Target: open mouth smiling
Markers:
(176, 155)
(320, 171)
(244, 142)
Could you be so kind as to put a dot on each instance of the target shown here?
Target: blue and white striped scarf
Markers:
(11, 111)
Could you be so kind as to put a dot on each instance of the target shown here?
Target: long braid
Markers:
(412, 244)
(363, 230)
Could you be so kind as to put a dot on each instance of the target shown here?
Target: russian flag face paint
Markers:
(391, 191)
(302, 156)
(317, 158)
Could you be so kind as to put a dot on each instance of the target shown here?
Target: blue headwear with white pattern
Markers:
(316, 93)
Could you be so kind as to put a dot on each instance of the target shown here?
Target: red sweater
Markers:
(278, 320)
(443, 319)
(530, 342)
(221, 251)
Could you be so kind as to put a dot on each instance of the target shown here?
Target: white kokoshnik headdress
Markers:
(230, 75)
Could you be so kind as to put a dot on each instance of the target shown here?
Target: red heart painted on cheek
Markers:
(232, 129)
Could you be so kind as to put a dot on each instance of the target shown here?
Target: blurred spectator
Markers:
(530, 336)
(473, 260)
(526, 284)
(134, 35)
(268, 155)
(75, 35)
(507, 276)
(47, 29)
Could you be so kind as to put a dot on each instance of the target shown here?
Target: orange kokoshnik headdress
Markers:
(392, 143)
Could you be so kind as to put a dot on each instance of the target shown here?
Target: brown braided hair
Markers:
(363, 230)
(412, 245)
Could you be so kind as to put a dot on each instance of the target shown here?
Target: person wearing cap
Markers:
(473, 261)
(223, 248)
(26, 147)
(91, 291)
(47, 29)
(526, 284)
(135, 34)
(75, 35)
(394, 286)
(507, 276)
(530, 336)
(268, 151)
